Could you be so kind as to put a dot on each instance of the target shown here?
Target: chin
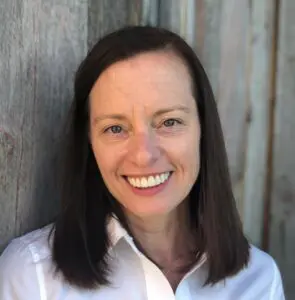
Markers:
(150, 211)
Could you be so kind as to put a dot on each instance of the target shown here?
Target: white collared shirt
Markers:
(26, 273)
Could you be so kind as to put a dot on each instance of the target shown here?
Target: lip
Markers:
(151, 191)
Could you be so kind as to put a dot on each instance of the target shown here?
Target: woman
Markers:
(147, 206)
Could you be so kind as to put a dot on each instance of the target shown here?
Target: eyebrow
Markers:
(158, 113)
(163, 111)
(111, 116)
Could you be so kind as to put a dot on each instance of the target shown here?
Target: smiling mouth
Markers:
(146, 182)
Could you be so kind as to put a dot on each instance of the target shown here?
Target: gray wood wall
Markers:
(248, 49)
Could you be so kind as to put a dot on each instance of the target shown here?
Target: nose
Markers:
(143, 151)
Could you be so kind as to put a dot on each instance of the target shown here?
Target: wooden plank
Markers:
(259, 84)
(169, 15)
(232, 93)
(108, 15)
(10, 119)
(54, 41)
(150, 12)
(208, 16)
(178, 16)
(282, 226)
(51, 40)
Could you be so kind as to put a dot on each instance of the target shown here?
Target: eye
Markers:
(171, 122)
(115, 129)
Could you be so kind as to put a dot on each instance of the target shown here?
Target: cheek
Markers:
(187, 149)
(191, 160)
(107, 159)
(188, 153)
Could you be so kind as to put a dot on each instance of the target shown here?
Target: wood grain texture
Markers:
(10, 117)
(150, 12)
(208, 17)
(282, 227)
(105, 16)
(232, 94)
(169, 15)
(261, 28)
(178, 16)
(41, 55)
(108, 15)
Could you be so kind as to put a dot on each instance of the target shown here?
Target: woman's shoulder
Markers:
(262, 274)
(29, 248)
(261, 260)
(20, 261)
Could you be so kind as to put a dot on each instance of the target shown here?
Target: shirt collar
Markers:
(117, 232)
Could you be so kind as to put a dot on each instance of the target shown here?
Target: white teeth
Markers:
(132, 181)
(150, 181)
(158, 180)
(137, 184)
(144, 182)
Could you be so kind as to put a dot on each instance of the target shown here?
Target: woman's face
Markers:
(145, 132)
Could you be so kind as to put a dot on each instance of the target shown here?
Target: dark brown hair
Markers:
(80, 243)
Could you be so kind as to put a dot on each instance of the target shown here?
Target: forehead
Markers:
(149, 79)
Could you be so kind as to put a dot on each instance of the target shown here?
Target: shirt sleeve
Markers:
(277, 290)
(18, 273)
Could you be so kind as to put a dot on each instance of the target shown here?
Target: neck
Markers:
(166, 240)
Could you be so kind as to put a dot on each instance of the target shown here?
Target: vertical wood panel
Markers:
(282, 239)
(170, 15)
(10, 116)
(232, 91)
(39, 58)
(208, 16)
(54, 37)
(108, 15)
(259, 85)
(178, 16)
(150, 12)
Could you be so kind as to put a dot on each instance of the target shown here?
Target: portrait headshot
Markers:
(147, 203)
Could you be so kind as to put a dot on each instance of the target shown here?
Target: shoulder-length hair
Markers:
(81, 242)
